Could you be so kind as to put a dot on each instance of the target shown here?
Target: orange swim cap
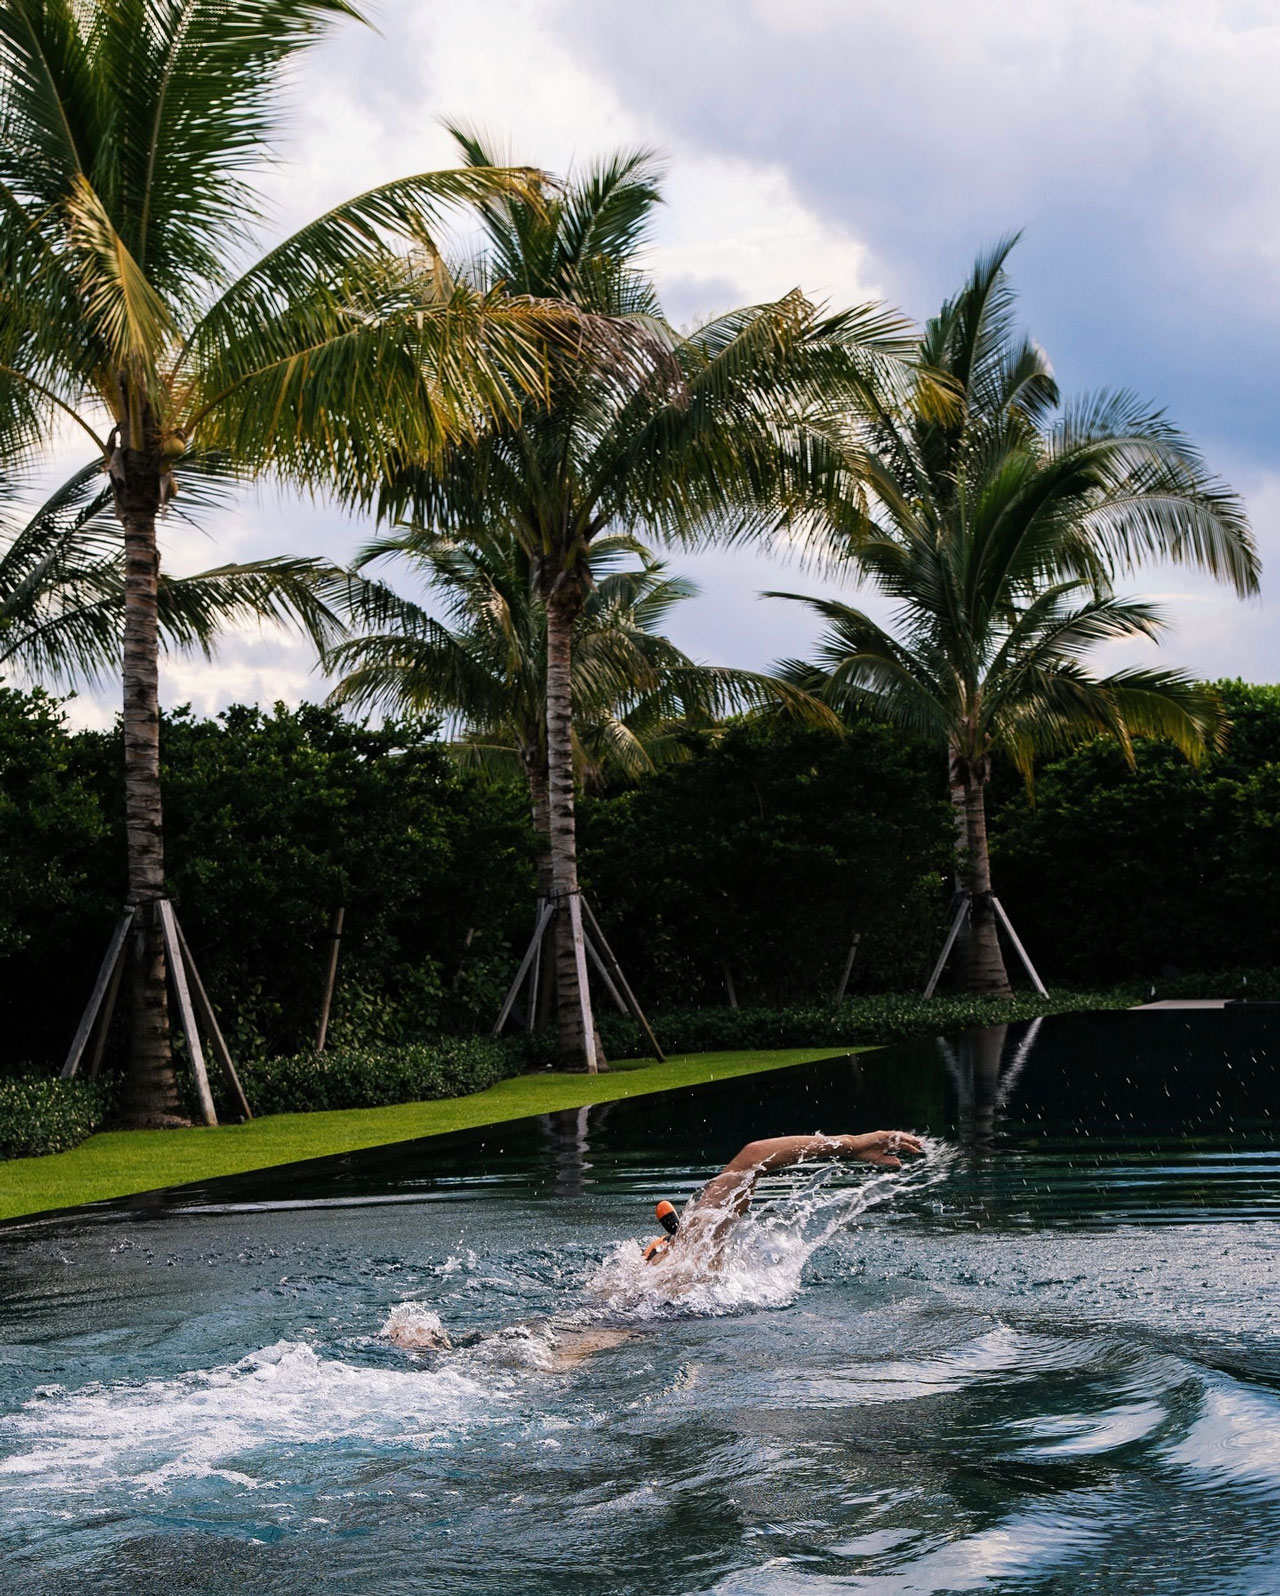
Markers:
(669, 1219)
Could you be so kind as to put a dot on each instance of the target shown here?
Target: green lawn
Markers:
(120, 1163)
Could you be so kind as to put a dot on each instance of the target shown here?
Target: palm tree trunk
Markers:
(151, 1091)
(540, 802)
(574, 1023)
(981, 964)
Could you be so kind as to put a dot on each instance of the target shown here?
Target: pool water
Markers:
(1043, 1359)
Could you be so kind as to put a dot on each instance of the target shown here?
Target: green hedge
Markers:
(874, 1018)
(38, 1115)
(1255, 985)
(373, 1077)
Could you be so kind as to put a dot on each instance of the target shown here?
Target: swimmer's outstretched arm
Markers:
(732, 1188)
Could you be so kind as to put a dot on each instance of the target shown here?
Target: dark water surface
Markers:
(1043, 1360)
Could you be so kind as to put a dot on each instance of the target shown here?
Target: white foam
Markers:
(202, 1423)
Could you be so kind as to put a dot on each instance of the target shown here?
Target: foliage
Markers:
(997, 529)
(1117, 873)
(133, 309)
(769, 847)
(52, 832)
(767, 851)
(129, 133)
(731, 430)
(482, 666)
(39, 1116)
(372, 1077)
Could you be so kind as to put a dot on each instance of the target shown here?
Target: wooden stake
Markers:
(186, 1014)
(546, 983)
(535, 974)
(101, 1000)
(108, 1009)
(623, 985)
(330, 975)
(204, 1010)
(848, 967)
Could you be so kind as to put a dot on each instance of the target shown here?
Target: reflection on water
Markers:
(1044, 1360)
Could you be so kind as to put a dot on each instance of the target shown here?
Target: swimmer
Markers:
(694, 1243)
(712, 1212)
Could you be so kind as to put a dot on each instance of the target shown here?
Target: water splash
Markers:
(409, 1324)
(760, 1263)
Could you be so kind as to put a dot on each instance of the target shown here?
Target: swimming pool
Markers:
(1044, 1360)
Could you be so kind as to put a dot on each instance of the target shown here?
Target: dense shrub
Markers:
(1117, 873)
(871, 1018)
(1248, 985)
(763, 854)
(760, 855)
(272, 820)
(373, 1077)
(39, 1115)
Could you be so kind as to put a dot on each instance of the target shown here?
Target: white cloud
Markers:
(739, 226)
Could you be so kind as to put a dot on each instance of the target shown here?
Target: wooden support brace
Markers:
(593, 953)
(621, 982)
(848, 967)
(584, 991)
(186, 1014)
(1018, 947)
(204, 1011)
(108, 1009)
(102, 1000)
(535, 972)
(548, 909)
(962, 912)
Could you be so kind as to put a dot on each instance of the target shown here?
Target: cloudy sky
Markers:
(857, 148)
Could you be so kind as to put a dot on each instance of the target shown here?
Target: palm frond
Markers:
(126, 314)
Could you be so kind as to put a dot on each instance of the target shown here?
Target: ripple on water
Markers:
(1234, 1441)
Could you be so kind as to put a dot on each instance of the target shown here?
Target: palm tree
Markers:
(482, 667)
(62, 589)
(732, 429)
(997, 527)
(128, 129)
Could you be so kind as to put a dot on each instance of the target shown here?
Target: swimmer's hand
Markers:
(881, 1147)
